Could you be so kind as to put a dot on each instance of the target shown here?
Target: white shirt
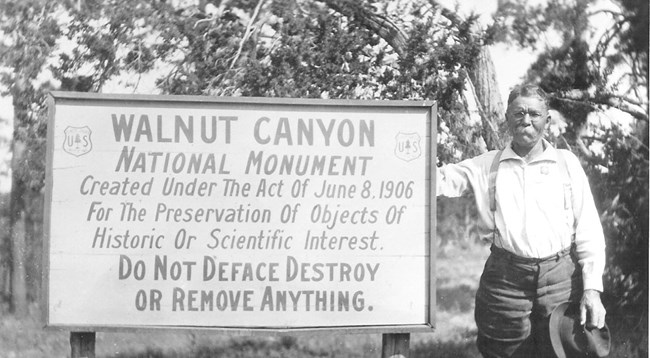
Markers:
(530, 216)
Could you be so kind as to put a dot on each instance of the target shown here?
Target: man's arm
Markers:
(590, 246)
(455, 180)
(451, 181)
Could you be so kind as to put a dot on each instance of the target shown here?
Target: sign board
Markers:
(239, 213)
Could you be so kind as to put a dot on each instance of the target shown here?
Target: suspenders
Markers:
(492, 183)
(564, 171)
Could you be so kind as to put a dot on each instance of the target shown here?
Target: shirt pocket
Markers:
(549, 196)
(546, 187)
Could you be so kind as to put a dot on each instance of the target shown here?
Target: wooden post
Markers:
(395, 345)
(82, 344)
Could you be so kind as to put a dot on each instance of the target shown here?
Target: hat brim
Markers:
(554, 331)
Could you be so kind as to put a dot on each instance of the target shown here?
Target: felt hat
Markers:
(571, 339)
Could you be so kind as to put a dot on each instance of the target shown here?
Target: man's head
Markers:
(527, 116)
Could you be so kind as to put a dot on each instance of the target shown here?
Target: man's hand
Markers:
(591, 307)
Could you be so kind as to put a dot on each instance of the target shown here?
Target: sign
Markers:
(239, 213)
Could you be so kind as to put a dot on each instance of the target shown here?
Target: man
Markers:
(547, 240)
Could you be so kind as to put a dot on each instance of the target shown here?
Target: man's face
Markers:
(527, 118)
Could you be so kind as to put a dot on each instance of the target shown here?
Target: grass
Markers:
(458, 273)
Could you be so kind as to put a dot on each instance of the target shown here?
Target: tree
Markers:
(30, 31)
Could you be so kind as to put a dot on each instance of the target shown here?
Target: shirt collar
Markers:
(549, 154)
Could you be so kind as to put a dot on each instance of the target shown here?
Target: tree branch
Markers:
(606, 11)
(610, 100)
(247, 34)
(377, 23)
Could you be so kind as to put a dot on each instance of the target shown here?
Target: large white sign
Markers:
(241, 213)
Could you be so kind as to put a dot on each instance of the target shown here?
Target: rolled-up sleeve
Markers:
(451, 180)
(454, 180)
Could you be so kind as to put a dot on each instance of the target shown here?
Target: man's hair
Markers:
(528, 90)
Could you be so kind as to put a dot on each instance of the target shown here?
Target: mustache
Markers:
(521, 125)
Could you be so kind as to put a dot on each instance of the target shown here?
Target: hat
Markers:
(571, 339)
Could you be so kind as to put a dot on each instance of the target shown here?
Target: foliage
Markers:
(613, 59)
(109, 38)
(622, 193)
(305, 49)
(315, 53)
(31, 32)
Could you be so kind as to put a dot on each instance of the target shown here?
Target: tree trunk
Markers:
(34, 245)
(19, 284)
(5, 268)
(16, 239)
(488, 98)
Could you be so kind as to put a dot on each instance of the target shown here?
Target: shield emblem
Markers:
(77, 141)
(407, 146)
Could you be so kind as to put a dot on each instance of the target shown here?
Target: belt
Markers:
(503, 253)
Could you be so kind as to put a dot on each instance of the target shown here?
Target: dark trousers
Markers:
(515, 299)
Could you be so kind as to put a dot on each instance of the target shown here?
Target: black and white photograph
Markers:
(324, 178)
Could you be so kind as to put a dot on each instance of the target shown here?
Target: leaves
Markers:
(623, 196)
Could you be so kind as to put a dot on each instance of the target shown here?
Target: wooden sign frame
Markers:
(429, 150)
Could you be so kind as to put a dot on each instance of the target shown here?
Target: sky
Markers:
(510, 64)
